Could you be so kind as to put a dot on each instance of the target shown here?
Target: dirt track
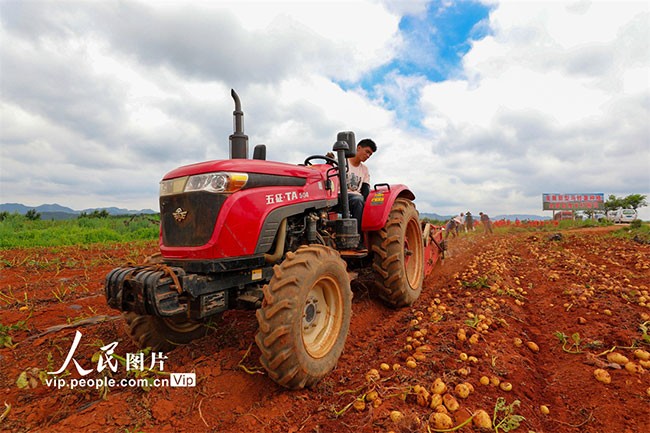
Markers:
(586, 286)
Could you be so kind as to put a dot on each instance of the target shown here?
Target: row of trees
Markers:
(632, 201)
(95, 214)
(33, 215)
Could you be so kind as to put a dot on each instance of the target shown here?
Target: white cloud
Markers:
(557, 92)
(116, 88)
(401, 8)
(105, 97)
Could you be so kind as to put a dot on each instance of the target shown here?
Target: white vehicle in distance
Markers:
(622, 215)
(599, 216)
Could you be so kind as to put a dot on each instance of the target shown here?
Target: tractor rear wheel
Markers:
(398, 255)
(305, 316)
(162, 333)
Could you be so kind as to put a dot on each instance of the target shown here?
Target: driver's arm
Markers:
(365, 190)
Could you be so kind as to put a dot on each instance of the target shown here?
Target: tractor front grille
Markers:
(188, 219)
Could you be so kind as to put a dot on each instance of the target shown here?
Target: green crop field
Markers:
(18, 231)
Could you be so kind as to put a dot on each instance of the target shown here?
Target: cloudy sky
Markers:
(479, 106)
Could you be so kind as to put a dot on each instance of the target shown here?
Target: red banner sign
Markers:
(573, 201)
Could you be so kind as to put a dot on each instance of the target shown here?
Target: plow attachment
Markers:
(434, 246)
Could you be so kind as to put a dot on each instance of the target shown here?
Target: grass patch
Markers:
(637, 231)
(17, 231)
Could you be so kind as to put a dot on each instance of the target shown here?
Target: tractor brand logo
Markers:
(179, 214)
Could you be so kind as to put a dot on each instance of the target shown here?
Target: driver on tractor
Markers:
(358, 180)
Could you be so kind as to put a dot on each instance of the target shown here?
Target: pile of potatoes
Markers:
(642, 363)
(444, 402)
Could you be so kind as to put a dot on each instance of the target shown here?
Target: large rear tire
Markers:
(305, 316)
(398, 255)
(162, 333)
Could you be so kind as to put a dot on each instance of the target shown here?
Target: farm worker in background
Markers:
(487, 224)
(358, 179)
(459, 223)
(469, 221)
(452, 227)
(462, 221)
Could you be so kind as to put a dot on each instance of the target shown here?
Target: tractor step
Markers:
(251, 299)
(353, 254)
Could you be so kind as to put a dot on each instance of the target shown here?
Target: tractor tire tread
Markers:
(279, 337)
(387, 245)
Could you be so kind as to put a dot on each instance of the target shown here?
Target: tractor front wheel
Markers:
(305, 316)
(162, 334)
(398, 255)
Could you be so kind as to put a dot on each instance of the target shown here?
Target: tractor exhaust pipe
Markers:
(238, 140)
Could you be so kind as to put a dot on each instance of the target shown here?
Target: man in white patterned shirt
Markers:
(358, 179)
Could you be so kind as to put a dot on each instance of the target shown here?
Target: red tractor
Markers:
(275, 237)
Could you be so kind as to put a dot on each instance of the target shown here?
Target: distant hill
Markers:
(434, 216)
(120, 211)
(57, 212)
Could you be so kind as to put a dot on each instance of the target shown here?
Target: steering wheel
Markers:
(330, 161)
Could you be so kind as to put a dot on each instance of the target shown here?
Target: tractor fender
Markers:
(379, 203)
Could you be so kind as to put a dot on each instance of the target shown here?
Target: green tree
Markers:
(32, 215)
(613, 203)
(632, 201)
(94, 214)
(635, 201)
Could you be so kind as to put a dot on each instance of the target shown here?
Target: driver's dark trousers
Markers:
(356, 202)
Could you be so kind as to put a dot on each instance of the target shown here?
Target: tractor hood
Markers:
(244, 166)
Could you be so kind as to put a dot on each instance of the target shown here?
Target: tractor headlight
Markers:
(173, 186)
(216, 182)
(209, 182)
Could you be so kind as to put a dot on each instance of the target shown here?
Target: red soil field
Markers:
(579, 297)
